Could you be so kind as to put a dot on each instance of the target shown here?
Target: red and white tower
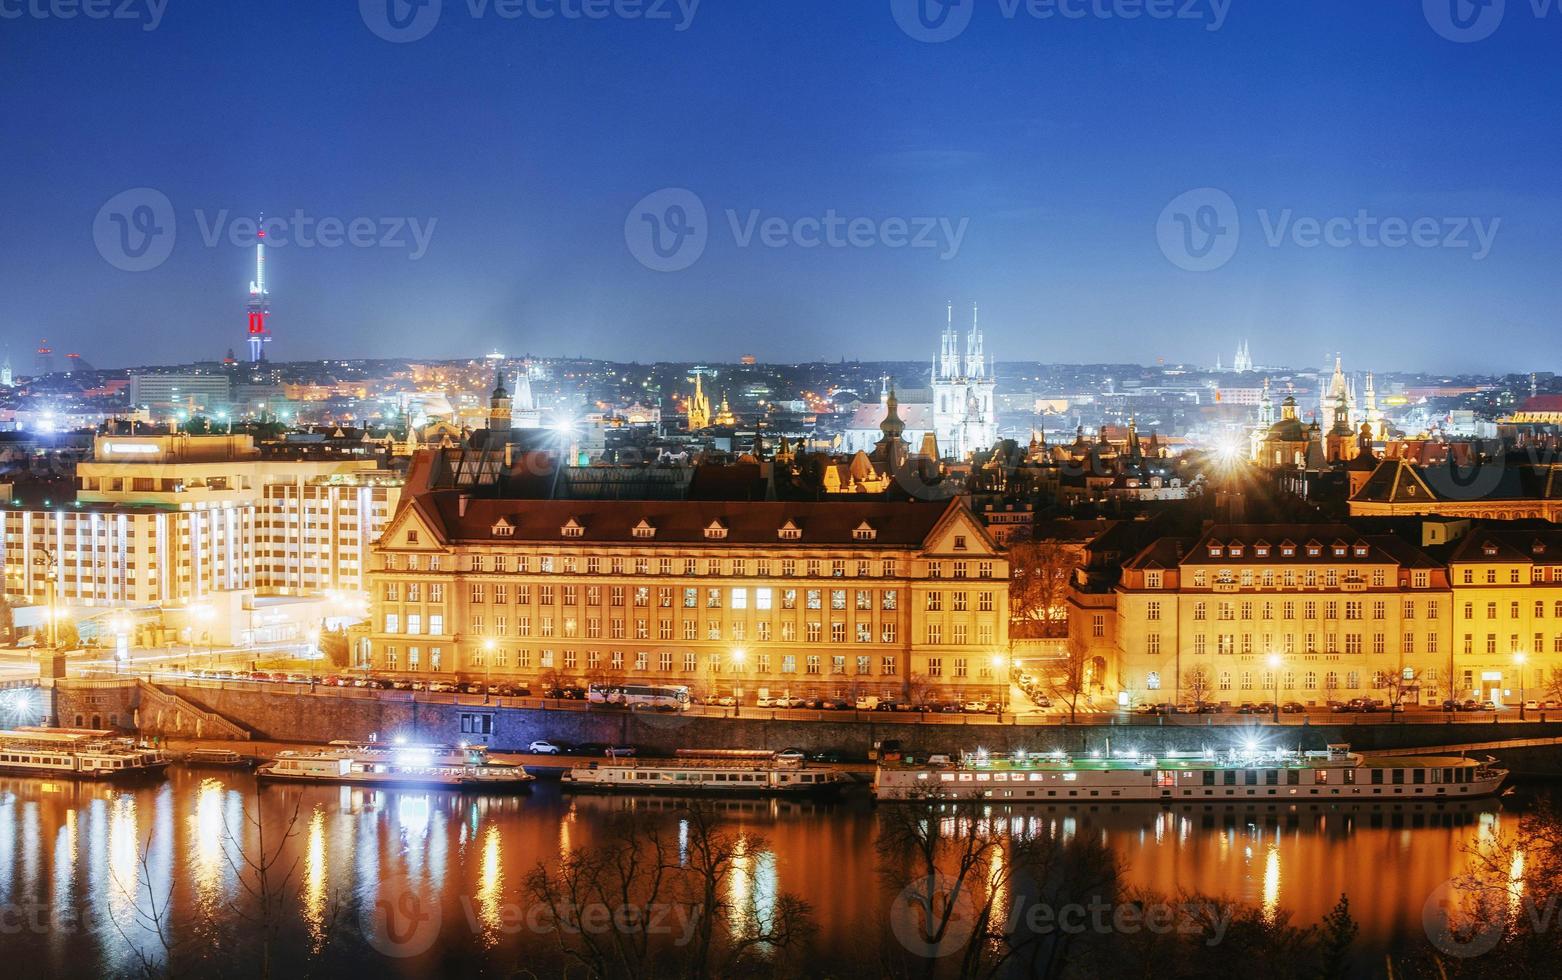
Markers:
(259, 305)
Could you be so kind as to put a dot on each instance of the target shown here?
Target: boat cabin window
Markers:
(1418, 776)
(1377, 777)
(1399, 776)
(1293, 777)
(1209, 777)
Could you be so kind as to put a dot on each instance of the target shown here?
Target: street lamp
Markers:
(1274, 669)
(489, 646)
(1003, 689)
(1520, 659)
(738, 656)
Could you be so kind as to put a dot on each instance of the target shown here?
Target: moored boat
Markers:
(709, 773)
(216, 759)
(407, 765)
(1246, 774)
(80, 752)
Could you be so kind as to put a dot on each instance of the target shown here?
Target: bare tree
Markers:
(1075, 677)
(149, 913)
(1041, 572)
(1397, 685)
(262, 875)
(655, 880)
(1196, 681)
(951, 862)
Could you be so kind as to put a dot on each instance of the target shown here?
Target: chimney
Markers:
(461, 503)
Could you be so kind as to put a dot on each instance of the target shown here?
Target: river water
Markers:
(90, 873)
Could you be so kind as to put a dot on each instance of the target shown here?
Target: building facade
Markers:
(727, 598)
(167, 520)
(1507, 602)
(1308, 613)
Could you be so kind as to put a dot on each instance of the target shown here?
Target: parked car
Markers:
(1211, 708)
(441, 687)
(419, 686)
(867, 702)
(1293, 708)
(829, 755)
(545, 747)
(1531, 705)
(1550, 705)
(1041, 700)
(1488, 706)
(1154, 709)
(1247, 708)
(790, 755)
(1264, 708)
(1451, 705)
(619, 751)
(727, 701)
(976, 707)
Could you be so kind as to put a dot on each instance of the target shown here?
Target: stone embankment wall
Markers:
(301, 715)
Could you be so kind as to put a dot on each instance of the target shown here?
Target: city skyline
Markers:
(1063, 216)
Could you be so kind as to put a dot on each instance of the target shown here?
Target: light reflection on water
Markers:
(80, 846)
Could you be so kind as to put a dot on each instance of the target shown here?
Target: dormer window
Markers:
(572, 529)
(1236, 551)
(864, 532)
(645, 529)
(1215, 551)
(1288, 551)
(716, 531)
(1261, 551)
(1538, 548)
(1489, 550)
(503, 529)
(1361, 551)
(790, 532)
(1313, 551)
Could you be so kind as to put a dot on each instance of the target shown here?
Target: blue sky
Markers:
(1053, 144)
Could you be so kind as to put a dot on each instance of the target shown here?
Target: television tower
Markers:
(259, 305)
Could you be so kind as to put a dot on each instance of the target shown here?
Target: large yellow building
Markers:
(1309, 613)
(1507, 622)
(745, 598)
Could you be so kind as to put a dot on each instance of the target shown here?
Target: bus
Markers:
(640, 696)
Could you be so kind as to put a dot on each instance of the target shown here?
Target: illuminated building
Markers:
(1507, 600)
(962, 417)
(699, 405)
(1341, 610)
(166, 520)
(1491, 489)
(825, 598)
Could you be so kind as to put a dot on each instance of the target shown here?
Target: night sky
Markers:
(1054, 145)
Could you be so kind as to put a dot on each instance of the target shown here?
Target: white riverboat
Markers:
(80, 752)
(437, 767)
(1247, 774)
(709, 773)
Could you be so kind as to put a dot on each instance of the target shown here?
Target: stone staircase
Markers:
(162, 712)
